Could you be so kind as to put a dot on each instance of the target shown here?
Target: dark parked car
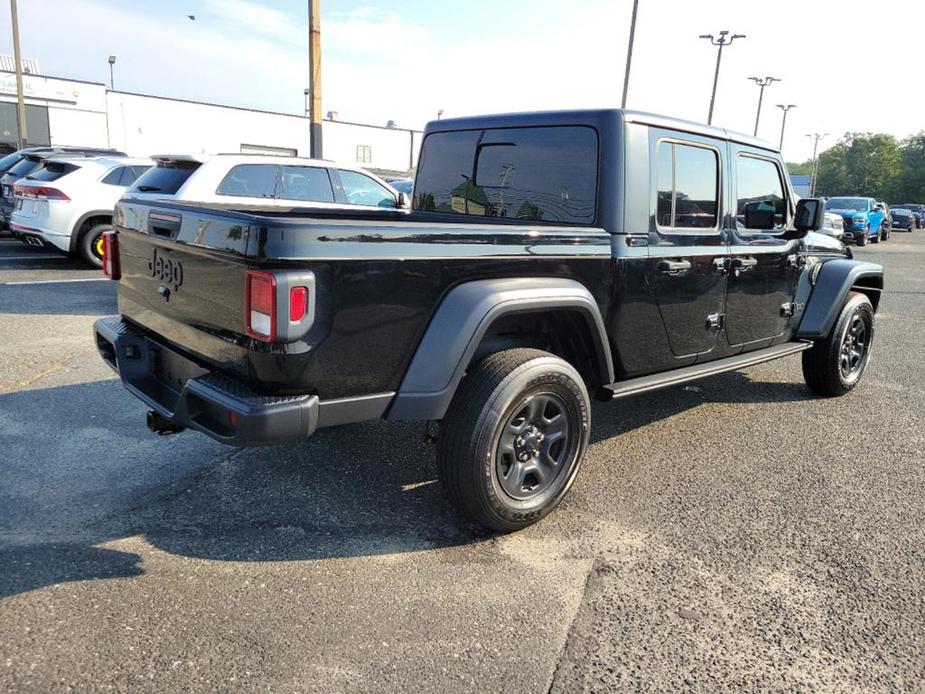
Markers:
(918, 212)
(903, 219)
(30, 159)
(549, 258)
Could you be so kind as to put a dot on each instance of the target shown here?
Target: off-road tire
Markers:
(469, 456)
(822, 363)
(87, 244)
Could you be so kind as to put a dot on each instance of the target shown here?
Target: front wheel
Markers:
(862, 237)
(514, 437)
(834, 365)
(876, 237)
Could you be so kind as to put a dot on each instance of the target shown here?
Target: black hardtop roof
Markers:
(594, 118)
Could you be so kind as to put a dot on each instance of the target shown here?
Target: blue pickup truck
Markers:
(865, 218)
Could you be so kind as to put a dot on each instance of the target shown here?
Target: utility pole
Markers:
(314, 82)
(112, 83)
(783, 123)
(812, 181)
(723, 41)
(20, 101)
(629, 54)
(761, 82)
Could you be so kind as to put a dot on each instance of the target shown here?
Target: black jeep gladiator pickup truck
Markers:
(548, 258)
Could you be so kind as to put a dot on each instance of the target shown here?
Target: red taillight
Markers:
(260, 305)
(298, 303)
(112, 268)
(41, 192)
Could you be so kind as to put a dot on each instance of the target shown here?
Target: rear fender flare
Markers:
(835, 280)
(462, 320)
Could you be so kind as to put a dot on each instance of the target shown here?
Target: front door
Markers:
(687, 251)
(762, 264)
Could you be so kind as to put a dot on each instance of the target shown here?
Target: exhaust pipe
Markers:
(161, 425)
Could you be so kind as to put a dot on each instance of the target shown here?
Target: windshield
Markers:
(855, 204)
(900, 212)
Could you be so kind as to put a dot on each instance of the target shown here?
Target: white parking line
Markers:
(34, 257)
(82, 279)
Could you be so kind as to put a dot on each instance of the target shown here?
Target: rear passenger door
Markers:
(687, 251)
(763, 264)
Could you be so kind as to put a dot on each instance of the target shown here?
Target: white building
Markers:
(71, 112)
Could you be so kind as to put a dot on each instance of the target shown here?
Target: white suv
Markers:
(267, 181)
(68, 203)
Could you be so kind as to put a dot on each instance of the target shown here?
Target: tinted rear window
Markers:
(8, 161)
(52, 171)
(165, 179)
(543, 174)
(24, 167)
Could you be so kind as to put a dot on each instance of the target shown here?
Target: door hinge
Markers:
(716, 321)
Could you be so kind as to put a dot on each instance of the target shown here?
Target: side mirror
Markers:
(810, 215)
(403, 202)
(759, 215)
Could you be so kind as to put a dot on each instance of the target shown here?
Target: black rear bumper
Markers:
(189, 396)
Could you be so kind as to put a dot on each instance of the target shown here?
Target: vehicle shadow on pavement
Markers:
(26, 568)
(57, 299)
(352, 491)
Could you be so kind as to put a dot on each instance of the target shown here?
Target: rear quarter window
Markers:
(164, 178)
(544, 174)
(250, 181)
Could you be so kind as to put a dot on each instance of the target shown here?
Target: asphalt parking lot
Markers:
(734, 535)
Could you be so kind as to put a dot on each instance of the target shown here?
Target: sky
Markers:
(846, 64)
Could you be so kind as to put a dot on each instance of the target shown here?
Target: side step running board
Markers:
(632, 386)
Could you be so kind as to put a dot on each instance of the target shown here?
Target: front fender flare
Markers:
(463, 318)
(835, 279)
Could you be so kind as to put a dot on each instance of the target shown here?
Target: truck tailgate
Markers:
(183, 275)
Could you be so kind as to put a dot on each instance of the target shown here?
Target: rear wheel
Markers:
(514, 437)
(90, 245)
(834, 365)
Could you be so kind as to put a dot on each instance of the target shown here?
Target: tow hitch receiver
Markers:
(161, 425)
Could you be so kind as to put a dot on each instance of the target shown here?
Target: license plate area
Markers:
(171, 371)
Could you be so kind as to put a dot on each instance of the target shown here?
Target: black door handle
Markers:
(672, 267)
(743, 263)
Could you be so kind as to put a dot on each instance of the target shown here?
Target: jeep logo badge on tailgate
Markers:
(166, 270)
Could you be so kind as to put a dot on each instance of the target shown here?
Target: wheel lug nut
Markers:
(519, 441)
(524, 457)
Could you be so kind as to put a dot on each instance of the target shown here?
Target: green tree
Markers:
(860, 164)
(910, 180)
(800, 169)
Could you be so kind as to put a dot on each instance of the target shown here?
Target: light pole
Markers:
(812, 181)
(306, 92)
(629, 53)
(20, 101)
(112, 61)
(761, 82)
(440, 114)
(723, 41)
(314, 78)
(783, 123)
